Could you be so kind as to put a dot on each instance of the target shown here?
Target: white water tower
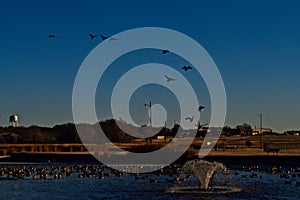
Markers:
(13, 120)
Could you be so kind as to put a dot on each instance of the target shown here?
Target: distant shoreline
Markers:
(230, 150)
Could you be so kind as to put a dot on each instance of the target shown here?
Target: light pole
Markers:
(260, 115)
(150, 118)
(260, 121)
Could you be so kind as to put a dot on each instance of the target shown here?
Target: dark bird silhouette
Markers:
(186, 68)
(52, 36)
(169, 78)
(201, 108)
(92, 36)
(103, 37)
(190, 119)
(164, 51)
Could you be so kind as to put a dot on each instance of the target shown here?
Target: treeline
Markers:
(115, 131)
(67, 133)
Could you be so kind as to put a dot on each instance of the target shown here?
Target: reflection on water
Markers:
(99, 182)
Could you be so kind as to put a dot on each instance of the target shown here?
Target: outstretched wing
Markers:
(103, 37)
(52, 36)
(169, 78)
(164, 51)
(92, 36)
(200, 108)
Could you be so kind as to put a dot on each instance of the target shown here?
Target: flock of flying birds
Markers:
(164, 51)
(169, 79)
(103, 37)
(92, 36)
(191, 118)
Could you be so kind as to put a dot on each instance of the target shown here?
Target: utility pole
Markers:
(150, 118)
(165, 132)
(260, 115)
(150, 114)
(260, 122)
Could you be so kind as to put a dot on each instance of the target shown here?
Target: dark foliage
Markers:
(248, 143)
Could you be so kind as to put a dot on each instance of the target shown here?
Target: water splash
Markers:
(203, 170)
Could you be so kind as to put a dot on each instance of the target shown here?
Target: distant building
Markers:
(256, 131)
(160, 137)
(292, 132)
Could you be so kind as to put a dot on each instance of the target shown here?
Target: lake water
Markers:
(264, 185)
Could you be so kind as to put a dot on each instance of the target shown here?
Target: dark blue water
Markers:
(263, 186)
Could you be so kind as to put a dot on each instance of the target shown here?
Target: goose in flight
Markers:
(201, 108)
(52, 36)
(190, 119)
(92, 36)
(103, 37)
(164, 51)
(186, 68)
(169, 79)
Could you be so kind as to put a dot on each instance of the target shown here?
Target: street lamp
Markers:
(150, 118)
(260, 115)
(260, 121)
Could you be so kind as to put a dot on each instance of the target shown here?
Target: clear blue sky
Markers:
(255, 44)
